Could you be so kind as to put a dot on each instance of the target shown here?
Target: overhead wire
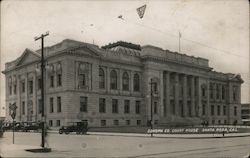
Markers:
(186, 39)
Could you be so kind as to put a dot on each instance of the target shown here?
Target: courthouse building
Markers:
(110, 86)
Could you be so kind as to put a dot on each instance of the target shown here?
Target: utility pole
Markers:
(43, 122)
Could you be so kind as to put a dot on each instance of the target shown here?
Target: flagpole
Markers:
(179, 42)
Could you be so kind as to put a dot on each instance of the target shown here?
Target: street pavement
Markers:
(99, 145)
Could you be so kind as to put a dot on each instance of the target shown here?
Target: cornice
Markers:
(164, 60)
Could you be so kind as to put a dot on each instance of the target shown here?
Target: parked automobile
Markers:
(19, 126)
(1, 128)
(7, 126)
(31, 127)
(1, 132)
(78, 127)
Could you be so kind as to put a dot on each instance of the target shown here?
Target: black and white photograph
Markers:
(124, 78)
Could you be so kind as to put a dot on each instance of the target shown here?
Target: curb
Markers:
(181, 136)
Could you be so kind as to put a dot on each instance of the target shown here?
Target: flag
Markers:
(179, 35)
(141, 11)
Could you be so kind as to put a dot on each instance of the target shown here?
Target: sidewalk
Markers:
(12, 150)
(193, 136)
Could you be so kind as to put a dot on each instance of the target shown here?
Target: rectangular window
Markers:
(31, 87)
(156, 122)
(225, 122)
(82, 80)
(50, 123)
(213, 122)
(58, 123)
(51, 103)
(223, 92)
(235, 111)
(103, 122)
(203, 109)
(211, 91)
(173, 107)
(102, 105)
(203, 92)
(155, 88)
(116, 122)
(217, 91)
(138, 122)
(172, 90)
(51, 81)
(14, 88)
(23, 87)
(23, 107)
(137, 107)
(59, 80)
(234, 93)
(39, 106)
(10, 89)
(155, 108)
(114, 106)
(59, 104)
(219, 122)
(218, 110)
(127, 122)
(212, 110)
(224, 110)
(126, 106)
(39, 82)
(189, 92)
(83, 104)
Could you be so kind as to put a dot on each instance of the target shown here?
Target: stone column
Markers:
(192, 97)
(220, 92)
(167, 95)
(208, 104)
(185, 108)
(34, 99)
(198, 97)
(214, 91)
(18, 94)
(161, 103)
(131, 88)
(26, 96)
(107, 79)
(176, 95)
(119, 80)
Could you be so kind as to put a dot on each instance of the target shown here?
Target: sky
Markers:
(217, 30)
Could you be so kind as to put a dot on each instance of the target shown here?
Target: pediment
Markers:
(28, 56)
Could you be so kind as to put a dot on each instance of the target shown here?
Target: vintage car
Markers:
(31, 127)
(1, 128)
(19, 126)
(78, 127)
(7, 126)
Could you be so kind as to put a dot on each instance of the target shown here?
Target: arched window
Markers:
(136, 83)
(125, 81)
(113, 79)
(101, 79)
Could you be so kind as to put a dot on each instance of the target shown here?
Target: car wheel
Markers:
(66, 132)
(60, 131)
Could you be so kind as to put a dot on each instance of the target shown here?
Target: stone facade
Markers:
(110, 86)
